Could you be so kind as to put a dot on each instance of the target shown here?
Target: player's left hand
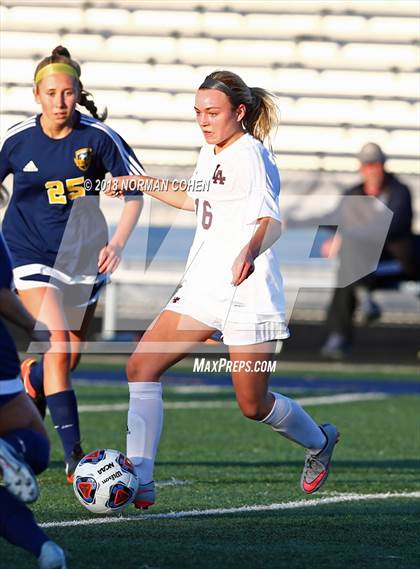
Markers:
(243, 266)
(109, 258)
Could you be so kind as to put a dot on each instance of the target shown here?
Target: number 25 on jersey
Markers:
(58, 193)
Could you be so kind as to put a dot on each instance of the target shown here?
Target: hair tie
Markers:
(252, 95)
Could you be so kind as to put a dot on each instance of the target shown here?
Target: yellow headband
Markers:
(55, 68)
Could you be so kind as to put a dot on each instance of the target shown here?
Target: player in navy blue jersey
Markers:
(24, 446)
(56, 232)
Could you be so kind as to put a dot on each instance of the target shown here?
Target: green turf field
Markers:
(213, 458)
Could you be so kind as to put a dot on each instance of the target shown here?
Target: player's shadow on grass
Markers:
(361, 464)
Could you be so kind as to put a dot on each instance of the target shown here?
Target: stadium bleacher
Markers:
(345, 72)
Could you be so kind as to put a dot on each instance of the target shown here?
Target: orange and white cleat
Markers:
(37, 397)
(72, 461)
(25, 372)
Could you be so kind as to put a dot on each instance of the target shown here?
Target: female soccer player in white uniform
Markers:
(56, 232)
(231, 283)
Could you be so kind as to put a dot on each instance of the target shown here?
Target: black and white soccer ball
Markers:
(105, 481)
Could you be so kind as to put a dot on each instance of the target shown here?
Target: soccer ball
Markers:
(105, 481)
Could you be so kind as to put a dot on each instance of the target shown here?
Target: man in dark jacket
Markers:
(399, 246)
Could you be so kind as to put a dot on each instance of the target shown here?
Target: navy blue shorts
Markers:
(79, 291)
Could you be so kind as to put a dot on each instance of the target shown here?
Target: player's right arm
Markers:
(163, 190)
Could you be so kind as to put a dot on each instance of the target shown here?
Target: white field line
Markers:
(322, 400)
(340, 398)
(339, 499)
(172, 482)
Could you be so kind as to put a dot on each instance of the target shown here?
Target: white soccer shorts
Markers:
(234, 333)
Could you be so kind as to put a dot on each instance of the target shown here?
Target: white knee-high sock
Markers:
(289, 419)
(144, 426)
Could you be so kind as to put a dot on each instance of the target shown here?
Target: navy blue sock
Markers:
(18, 526)
(34, 447)
(37, 376)
(65, 418)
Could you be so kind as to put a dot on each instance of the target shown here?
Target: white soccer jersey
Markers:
(241, 184)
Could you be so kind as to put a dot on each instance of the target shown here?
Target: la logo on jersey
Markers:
(218, 177)
(83, 158)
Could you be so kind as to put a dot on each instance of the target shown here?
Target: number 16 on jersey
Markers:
(206, 214)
